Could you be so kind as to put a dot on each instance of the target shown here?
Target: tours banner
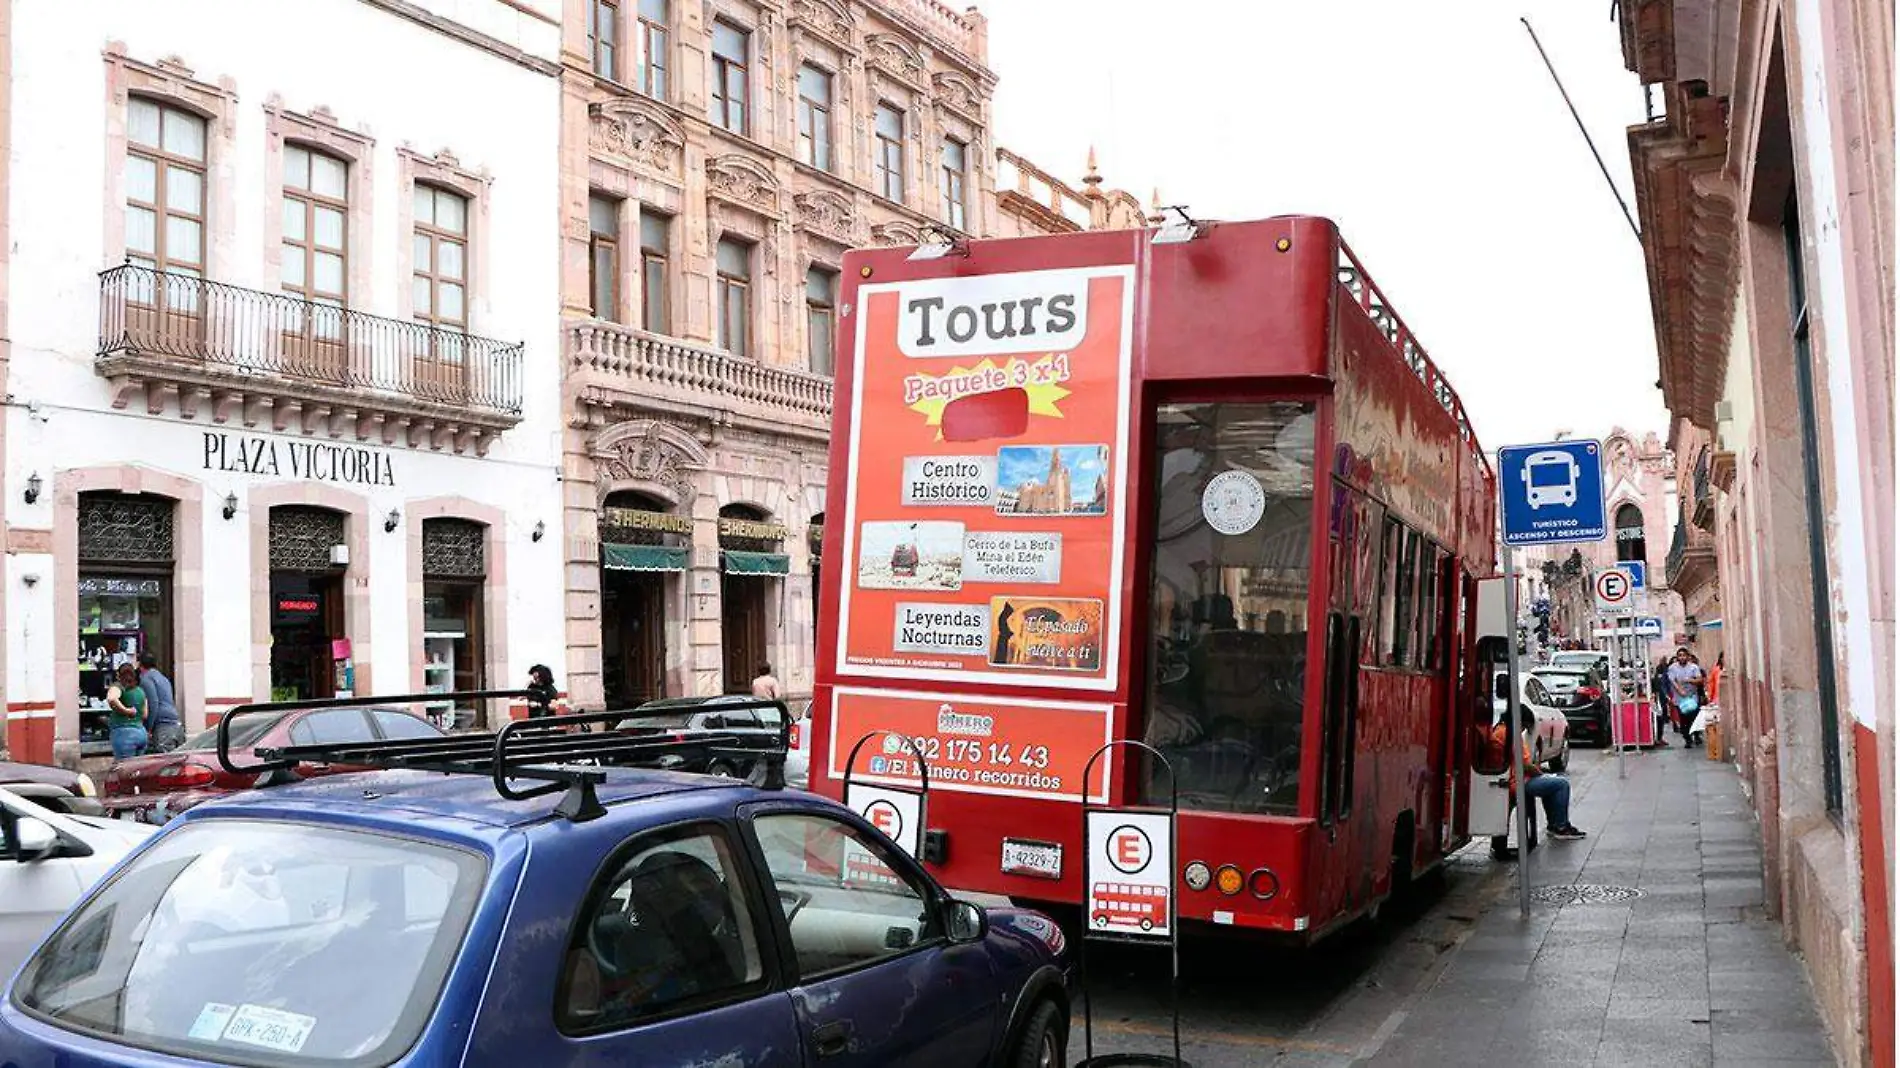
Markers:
(985, 524)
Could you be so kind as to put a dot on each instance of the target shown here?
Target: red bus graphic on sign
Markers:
(1129, 905)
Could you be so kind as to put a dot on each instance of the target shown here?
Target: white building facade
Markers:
(283, 400)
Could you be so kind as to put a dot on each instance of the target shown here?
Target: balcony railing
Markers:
(223, 335)
(1702, 504)
(1672, 564)
(665, 370)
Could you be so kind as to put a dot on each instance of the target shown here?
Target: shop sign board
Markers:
(998, 746)
(1130, 873)
(987, 462)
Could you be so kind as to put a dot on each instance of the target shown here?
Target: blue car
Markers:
(439, 912)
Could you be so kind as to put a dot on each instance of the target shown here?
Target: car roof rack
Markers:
(561, 752)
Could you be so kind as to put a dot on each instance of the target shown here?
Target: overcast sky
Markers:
(1429, 129)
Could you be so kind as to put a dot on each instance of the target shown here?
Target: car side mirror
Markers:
(34, 840)
(964, 922)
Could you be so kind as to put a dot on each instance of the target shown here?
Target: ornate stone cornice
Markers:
(828, 19)
(898, 58)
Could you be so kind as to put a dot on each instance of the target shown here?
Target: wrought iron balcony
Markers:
(1691, 559)
(617, 366)
(260, 356)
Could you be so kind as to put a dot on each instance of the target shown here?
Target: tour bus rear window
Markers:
(1226, 679)
(252, 942)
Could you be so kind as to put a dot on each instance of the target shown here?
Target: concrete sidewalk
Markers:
(1646, 945)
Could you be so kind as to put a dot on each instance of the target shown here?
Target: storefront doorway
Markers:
(643, 548)
(126, 552)
(753, 567)
(454, 642)
(311, 655)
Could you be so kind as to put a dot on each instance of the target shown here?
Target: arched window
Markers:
(1629, 534)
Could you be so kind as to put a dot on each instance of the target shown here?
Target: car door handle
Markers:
(831, 1039)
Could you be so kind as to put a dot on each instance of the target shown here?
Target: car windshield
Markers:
(244, 733)
(250, 942)
(1576, 658)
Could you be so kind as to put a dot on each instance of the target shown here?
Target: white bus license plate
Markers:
(1040, 859)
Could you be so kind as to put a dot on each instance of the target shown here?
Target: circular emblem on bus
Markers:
(1233, 502)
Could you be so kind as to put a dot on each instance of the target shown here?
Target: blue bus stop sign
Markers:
(1552, 493)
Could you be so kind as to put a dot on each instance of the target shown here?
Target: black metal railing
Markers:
(1672, 564)
(236, 331)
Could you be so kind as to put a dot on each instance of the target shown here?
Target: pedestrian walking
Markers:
(1659, 699)
(1686, 679)
(125, 715)
(162, 725)
(765, 685)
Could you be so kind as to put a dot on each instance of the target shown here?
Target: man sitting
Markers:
(1553, 790)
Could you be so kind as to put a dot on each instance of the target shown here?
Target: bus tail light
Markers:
(1197, 875)
(1229, 880)
(1264, 884)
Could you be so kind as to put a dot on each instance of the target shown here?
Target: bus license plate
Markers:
(1040, 859)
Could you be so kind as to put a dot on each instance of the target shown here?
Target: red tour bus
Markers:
(1208, 494)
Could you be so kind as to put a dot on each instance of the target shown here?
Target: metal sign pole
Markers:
(1616, 699)
(1516, 754)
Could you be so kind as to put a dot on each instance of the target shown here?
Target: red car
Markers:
(155, 787)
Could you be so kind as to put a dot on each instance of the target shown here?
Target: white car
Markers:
(1550, 747)
(48, 860)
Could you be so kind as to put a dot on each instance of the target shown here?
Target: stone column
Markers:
(704, 656)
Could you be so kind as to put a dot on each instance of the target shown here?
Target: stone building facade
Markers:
(272, 342)
(717, 160)
(1766, 194)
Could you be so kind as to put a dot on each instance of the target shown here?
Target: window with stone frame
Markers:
(165, 169)
(890, 152)
(734, 262)
(651, 44)
(955, 176)
(603, 257)
(655, 239)
(603, 37)
(821, 310)
(814, 117)
(313, 264)
(731, 88)
(440, 264)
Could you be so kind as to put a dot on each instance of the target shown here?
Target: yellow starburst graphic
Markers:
(1040, 378)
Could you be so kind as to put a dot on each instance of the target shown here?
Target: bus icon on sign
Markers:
(1550, 477)
(1126, 905)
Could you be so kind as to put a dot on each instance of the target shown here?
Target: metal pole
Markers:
(1616, 698)
(1516, 755)
(1614, 191)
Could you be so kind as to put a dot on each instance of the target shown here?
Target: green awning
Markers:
(745, 563)
(616, 557)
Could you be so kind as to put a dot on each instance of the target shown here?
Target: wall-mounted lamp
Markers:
(390, 521)
(540, 530)
(33, 487)
(230, 505)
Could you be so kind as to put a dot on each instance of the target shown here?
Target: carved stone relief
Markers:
(955, 92)
(896, 57)
(827, 18)
(743, 181)
(895, 232)
(826, 213)
(637, 131)
(650, 452)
